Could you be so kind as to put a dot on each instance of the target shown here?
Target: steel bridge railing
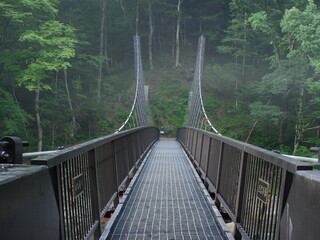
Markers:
(84, 184)
(255, 186)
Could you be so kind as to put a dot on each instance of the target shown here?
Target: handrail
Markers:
(73, 151)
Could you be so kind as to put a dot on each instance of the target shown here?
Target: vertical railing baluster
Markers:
(240, 191)
(116, 166)
(189, 146)
(267, 206)
(256, 208)
(269, 212)
(115, 175)
(59, 182)
(286, 183)
(218, 204)
(85, 196)
(78, 224)
(245, 217)
(201, 149)
(94, 192)
(208, 161)
(250, 194)
(278, 174)
(70, 198)
(208, 157)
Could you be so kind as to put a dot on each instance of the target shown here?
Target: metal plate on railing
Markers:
(263, 191)
(77, 185)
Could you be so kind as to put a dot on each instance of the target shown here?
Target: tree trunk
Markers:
(38, 119)
(184, 34)
(106, 45)
(299, 128)
(53, 134)
(178, 33)
(123, 10)
(53, 131)
(150, 37)
(4, 31)
(173, 42)
(244, 49)
(137, 18)
(73, 127)
(102, 24)
(284, 118)
(108, 68)
(237, 84)
(251, 130)
(20, 113)
(254, 124)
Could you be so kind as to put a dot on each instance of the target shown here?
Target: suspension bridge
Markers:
(134, 185)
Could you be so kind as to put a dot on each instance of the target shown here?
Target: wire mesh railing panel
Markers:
(185, 136)
(190, 139)
(137, 147)
(261, 198)
(144, 139)
(213, 165)
(230, 169)
(205, 152)
(140, 139)
(198, 148)
(131, 151)
(122, 164)
(106, 173)
(76, 197)
(194, 143)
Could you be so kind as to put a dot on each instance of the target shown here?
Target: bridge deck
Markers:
(166, 201)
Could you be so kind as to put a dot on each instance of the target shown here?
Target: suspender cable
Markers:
(196, 106)
(139, 106)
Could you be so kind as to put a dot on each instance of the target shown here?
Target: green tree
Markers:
(51, 45)
(302, 28)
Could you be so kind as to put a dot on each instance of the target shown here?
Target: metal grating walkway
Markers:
(166, 201)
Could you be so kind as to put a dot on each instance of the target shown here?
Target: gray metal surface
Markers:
(167, 201)
(28, 207)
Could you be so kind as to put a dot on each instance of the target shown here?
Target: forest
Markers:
(67, 69)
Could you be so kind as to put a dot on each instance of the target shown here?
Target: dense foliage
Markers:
(67, 71)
